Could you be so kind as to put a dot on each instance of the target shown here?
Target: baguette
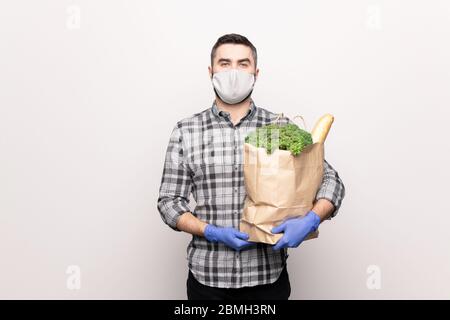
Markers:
(320, 131)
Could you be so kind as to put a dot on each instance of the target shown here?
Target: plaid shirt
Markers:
(205, 157)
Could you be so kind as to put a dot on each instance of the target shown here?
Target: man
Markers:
(204, 157)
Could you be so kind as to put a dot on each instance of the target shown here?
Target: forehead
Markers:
(233, 52)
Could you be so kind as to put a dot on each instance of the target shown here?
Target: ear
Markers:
(210, 72)
(256, 74)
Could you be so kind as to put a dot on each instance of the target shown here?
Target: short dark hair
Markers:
(235, 39)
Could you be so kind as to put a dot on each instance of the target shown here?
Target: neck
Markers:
(237, 111)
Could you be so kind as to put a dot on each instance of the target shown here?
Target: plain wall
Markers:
(87, 106)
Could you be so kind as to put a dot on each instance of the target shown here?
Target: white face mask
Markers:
(233, 85)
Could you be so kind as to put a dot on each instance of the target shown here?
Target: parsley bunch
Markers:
(273, 136)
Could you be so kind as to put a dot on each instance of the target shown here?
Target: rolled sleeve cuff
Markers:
(171, 213)
(334, 195)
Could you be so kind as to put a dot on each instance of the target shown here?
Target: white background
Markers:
(86, 111)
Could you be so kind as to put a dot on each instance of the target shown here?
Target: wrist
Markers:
(314, 218)
(210, 233)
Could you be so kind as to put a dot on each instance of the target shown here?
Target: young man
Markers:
(204, 157)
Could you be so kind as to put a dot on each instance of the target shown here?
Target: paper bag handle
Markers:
(280, 115)
(303, 120)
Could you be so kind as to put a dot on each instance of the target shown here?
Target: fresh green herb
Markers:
(286, 137)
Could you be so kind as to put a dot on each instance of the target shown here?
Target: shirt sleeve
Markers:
(332, 188)
(176, 181)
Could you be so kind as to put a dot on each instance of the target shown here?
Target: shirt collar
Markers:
(223, 114)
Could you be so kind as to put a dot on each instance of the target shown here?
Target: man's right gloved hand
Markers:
(228, 236)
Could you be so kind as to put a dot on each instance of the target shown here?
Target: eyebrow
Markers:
(229, 60)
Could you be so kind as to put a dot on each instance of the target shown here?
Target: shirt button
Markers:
(235, 190)
(237, 255)
(236, 167)
(235, 212)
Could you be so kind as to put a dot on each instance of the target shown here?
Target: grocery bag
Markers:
(279, 186)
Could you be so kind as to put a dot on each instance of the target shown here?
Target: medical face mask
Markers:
(233, 85)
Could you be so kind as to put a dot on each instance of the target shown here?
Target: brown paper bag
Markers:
(279, 186)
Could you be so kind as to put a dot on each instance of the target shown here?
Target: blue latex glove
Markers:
(295, 230)
(228, 236)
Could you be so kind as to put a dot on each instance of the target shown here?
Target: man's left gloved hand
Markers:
(295, 230)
